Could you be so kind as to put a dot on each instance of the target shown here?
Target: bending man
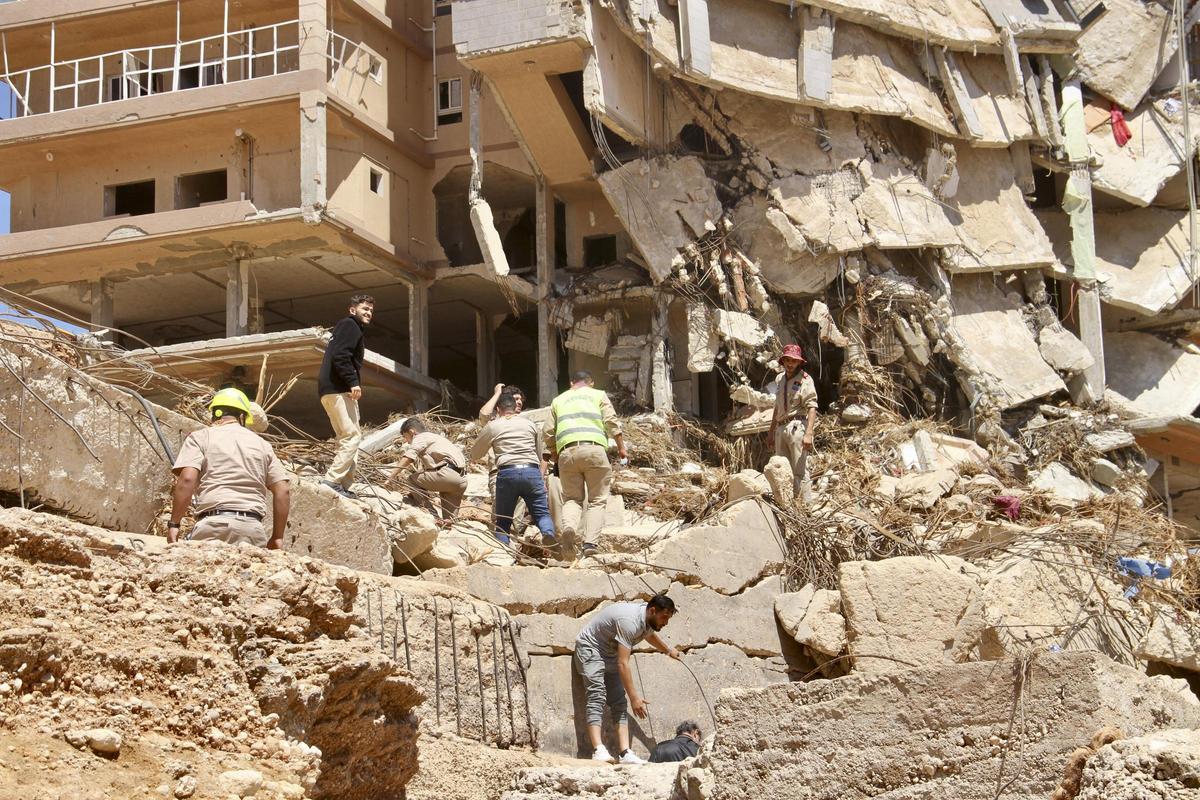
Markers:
(602, 651)
(442, 467)
(229, 469)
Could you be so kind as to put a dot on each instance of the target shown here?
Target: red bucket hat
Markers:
(794, 351)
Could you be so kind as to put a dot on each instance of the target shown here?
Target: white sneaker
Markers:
(601, 754)
(630, 757)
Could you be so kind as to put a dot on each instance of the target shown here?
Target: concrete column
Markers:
(418, 326)
(547, 354)
(662, 392)
(485, 354)
(102, 307)
(314, 37)
(475, 138)
(1091, 332)
(237, 298)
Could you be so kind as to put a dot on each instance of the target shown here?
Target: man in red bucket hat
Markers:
(795, 416)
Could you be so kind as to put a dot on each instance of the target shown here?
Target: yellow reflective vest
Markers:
(578, 419)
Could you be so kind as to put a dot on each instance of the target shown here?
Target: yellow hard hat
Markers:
(233, 398)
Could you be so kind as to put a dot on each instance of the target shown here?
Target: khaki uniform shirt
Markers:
(236, 467)
(612, 423)
(512, 439)
(795, 396)
(432, 451)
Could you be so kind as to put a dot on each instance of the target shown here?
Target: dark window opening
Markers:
(129, 199)
(1045, 189)
(376, 181)
(203, 187)
(189, 77)
(611, 143)
(442, 8)
(599, 251)
(449, 101)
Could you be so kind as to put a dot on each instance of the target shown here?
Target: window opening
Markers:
(200, 188)
(450, 101)
(129, 199)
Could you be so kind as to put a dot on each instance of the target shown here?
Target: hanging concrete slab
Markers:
(996, 229)
(785, 262)
(822, 209)
(1141, 255)
(665, 204)
(954, 24)
(1003, 347)
(899, 211)
(1138, 171)
(1036, 21)
(790, 136)
(1122, 53)
(1156, 378)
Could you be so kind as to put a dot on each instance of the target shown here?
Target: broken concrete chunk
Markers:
(921, 490)
(1107, 441)
(727, 556)
(996, 336)
(665, 204)
(786, 263)
(490, 244)
(1063, 486)
(589, 335)
(822, 208)
(940, 451)
(703, 342)
(898, 211)
(1062, 350)
(781, 479)
(827, 328)
(813, 617)
(1173, 638)
(910, 611)
(742, 328)
(1157, 766)
(1145, 33)
(1139, 172)
(856, 414)
(747, 483)
(1105, 472)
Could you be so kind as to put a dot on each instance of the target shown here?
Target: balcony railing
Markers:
(140, 72)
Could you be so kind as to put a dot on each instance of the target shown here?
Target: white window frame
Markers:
(451, 83)
(375, 68)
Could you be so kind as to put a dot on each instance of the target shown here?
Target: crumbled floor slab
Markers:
(1123, 52)
(995, 333)
(550, 590)
(665, 204)
(1139, 170)
(1141, 255)
(728, 556)
(937, 731)
(1156, 378)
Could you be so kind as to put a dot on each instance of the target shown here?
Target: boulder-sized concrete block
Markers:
(813, 617)
(936, 732)
(323, 525)
(915, 610)
(740, 548)
(1173, 640)
(1062, 350)
(920, 490)
(781, 479)
(553, 590)
(1063, 486)
(747, 483)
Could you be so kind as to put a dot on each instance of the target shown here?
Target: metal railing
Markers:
(240, 55)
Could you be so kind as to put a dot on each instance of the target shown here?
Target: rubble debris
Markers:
(813, 617)
(1063, 486)
(948, 728)
(1157, 766)
(1147, 38)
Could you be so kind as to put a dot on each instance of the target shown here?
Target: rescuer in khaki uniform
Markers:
(581, 420)
(795, 416)
(229, 469)
(443, 468)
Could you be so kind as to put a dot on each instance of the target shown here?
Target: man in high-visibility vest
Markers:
(581, 420)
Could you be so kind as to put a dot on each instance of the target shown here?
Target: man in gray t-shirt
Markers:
(602, 651)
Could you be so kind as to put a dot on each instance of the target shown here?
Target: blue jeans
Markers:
(525, 483)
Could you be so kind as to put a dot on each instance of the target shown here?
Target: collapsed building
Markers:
(977, 218)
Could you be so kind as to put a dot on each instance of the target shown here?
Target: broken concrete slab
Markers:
(555, 691)
(1063, 486)
(821, 207)
(921, 490)
(665, 204)
(996, 229)
(910, 611)
(586, 782)
(991, 327)
(813, 617)
(1163, 765)
(1154, 377)
(963, 26)
(741, 328)
(490, 244)
(1141, 255)
(727, 556)
(999, 107)
(871, 73)
(549, 590)
(1107, 441)
(1146, 34)
(934, 732)
(941, 451)
(1105, 472)
(786, 263)
(1139, 170)
(898, 211)
(792, 137)
(747, 483)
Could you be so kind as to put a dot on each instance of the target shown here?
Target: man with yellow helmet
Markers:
(229, 469)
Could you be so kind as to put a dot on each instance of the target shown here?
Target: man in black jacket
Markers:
(339, 385)
(685, 744)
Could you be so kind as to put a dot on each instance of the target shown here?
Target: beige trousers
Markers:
(448, 485)
(789, 443)
(343, 415)
(231, 529)
(586, 477)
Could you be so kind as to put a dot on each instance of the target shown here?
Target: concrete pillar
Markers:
(237, 298)
(418, 326)
(102, 307)
(475, 138)
(485, 354)
(547, 354)
(313, 130)
(662, 391)
(695, 44)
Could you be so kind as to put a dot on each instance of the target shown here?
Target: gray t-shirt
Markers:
(619, 624)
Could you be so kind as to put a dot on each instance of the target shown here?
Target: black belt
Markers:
(232, 512)
(569, 445)
(522, 466)
(459, 470)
